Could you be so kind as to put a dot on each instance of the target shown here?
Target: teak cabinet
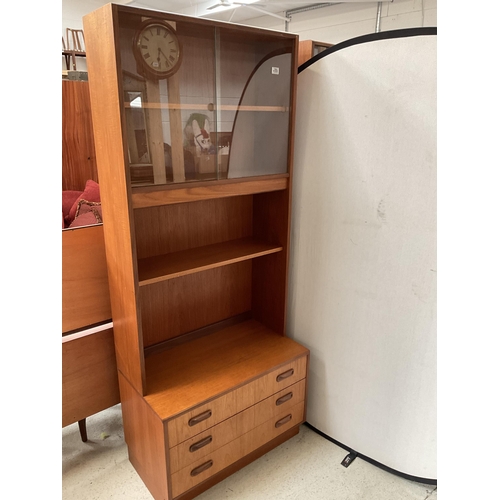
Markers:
(311, 48)
(197, 221)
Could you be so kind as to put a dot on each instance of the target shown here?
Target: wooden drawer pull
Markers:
(200, 444)
(284, 375)
(201, 468)
(199, 418)
(283, 421)
(284, 398)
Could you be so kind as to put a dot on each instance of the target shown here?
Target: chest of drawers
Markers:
(243, 389)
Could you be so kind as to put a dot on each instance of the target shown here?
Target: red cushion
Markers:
(68, 200)
(91, 193)
(88, 213)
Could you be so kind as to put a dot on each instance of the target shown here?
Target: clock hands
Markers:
(166, 58)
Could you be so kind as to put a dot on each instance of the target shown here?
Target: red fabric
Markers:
(91, 193)
(68, 200)
(85, 219)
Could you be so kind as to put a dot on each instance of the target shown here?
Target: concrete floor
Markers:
(307, 467)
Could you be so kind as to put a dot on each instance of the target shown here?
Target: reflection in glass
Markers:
(224, 113)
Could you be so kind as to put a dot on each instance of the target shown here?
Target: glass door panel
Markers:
(254, 104)
(168, 80)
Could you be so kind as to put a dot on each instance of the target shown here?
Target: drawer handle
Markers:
(200, 444)
(283, 421)
(284, 398)
(284, 375)
(199, 418)
(201, 468)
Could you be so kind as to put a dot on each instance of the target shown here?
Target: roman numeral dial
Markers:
(157, 49)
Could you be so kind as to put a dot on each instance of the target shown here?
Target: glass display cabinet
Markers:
(193, 128)
(203, 102)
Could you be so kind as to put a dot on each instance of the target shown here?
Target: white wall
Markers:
(340, 22)
(329, 24)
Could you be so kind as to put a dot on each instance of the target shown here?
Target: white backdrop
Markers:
(363, 257)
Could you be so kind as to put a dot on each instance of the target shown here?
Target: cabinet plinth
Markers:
(195, 173)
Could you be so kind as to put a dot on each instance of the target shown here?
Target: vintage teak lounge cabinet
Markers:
(193, 123)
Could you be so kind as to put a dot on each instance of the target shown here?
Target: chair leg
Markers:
(83, 430)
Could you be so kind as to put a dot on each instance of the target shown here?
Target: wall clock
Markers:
(157, 50)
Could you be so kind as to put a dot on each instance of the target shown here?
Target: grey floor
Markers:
(307, 467)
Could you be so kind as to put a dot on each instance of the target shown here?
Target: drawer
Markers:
(214, 438)
(210, 464)
(207, 415)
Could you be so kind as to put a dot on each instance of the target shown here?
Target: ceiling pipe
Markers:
(379, 15)
(314, 6)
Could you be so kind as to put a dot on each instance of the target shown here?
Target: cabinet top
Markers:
(261, 32)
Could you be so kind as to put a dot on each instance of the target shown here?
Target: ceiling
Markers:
(200, 8)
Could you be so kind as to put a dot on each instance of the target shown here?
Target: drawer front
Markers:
(214, 438)
(195, 421)
(214, 462)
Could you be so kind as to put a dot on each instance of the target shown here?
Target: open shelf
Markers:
(179, 376)
(168, 194)
(168, 266)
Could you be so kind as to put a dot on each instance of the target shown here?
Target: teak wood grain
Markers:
(192, 304)
(217, 436)
(188, 374)
(85, 287)
(183, 479)
(169, 266)
(222, 244)
(89, 376)
(106, 96)
(144, 435)
(306, 49)
(207, 190)
(78, 150)
(232, 402)
(174, 228)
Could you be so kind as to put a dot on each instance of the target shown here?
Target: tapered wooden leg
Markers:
(83, 430)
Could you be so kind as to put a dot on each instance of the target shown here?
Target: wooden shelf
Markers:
(207, 107)
(192, 372)
(176, 264)
(167, 194)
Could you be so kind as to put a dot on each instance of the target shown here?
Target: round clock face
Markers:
(157, 49)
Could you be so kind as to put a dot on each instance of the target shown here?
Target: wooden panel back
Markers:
(85, 288)
(107, 102)
(78, 151)
(171, 308)
(173, 228)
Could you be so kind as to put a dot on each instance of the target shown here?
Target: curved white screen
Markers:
(363, 257)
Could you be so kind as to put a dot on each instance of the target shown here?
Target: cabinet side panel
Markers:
(269, 286)
(145, 437)
(105, 86)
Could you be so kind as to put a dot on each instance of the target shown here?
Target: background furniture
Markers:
(73, 47)
(89, 373)
(310, 48)
(198, 265)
